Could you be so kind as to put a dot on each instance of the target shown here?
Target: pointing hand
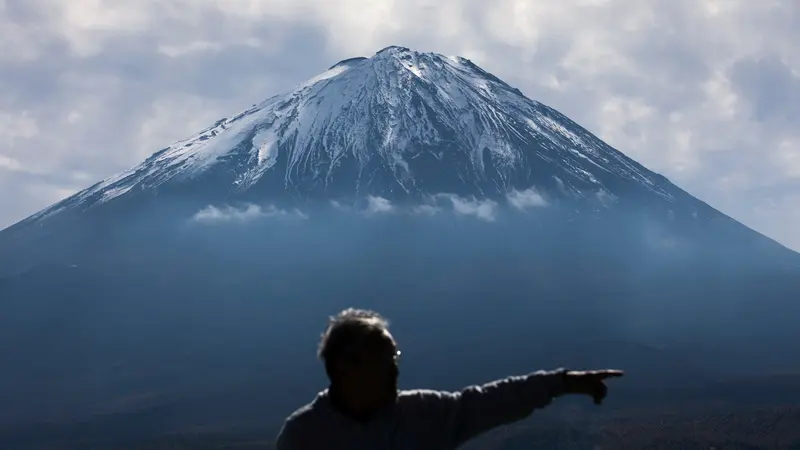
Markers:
(591, 383)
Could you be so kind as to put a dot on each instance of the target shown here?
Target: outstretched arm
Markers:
(460, 416)
(456, 417)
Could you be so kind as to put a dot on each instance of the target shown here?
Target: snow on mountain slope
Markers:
(388, 113)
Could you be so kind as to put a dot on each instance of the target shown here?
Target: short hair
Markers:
(349, 332)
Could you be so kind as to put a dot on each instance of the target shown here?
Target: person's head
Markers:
(360, 357)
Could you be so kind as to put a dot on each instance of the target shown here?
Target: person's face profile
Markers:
(374, 369)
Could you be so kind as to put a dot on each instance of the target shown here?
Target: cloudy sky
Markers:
(706, 92)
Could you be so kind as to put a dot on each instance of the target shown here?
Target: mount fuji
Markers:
(484, 223)
(402, 126)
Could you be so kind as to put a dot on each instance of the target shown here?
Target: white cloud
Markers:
(11, 164)
(529, 198)
(15, 128)
(339, 206)
(705, 92)
(482, 209)
(213, 214)
(378, 205)
(175, 51)
(788, 158)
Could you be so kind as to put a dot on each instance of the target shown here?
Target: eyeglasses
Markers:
(362, 358)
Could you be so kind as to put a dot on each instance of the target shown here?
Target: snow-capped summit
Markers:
(399, 125)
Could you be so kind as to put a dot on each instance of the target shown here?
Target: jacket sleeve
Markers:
(460, 416)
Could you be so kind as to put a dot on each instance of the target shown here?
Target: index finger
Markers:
(609, 373)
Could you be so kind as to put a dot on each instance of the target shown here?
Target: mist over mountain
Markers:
(495, 233)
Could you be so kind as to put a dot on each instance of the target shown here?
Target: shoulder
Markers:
(295, 427)
(302, 415)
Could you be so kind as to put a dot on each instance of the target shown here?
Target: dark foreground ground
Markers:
(774, 428)
(758, 413)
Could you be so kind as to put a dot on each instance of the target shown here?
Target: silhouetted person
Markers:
(363, 409)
